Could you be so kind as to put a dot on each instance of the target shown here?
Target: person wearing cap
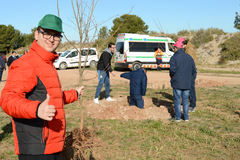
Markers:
(12, 58)
(182, 67)
(34, 98)
(189, 49)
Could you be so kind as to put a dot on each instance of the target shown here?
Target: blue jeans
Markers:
(192, 92)
(159, 61)
(136, 100)
(103, 77)
(178, 93)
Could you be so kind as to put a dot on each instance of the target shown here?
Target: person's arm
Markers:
(194, 69)
(173, 67)
(125, 75)
(144, 85)
(21, 80)
(107, 61)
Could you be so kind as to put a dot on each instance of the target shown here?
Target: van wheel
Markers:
(93, 64)
(136, 65)
(63, 66)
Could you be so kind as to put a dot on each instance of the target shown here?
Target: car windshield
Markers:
(65, 53)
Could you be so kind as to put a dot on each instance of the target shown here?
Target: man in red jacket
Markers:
(34, 98)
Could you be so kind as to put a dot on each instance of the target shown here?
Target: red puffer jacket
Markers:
(30, 79)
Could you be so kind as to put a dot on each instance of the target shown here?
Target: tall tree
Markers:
(237, 21)
(7, 38)
(103, 33)
(132, 24)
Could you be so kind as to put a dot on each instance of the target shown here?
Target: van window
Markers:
(73, 54)
(145, 47)
(92, 52)
(170, 47)
(120, 47)
(85, 52)
(65, 53)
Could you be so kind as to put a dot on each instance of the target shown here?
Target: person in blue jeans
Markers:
(182, 68)
(138, 86)
(103, 69)
(189, 49)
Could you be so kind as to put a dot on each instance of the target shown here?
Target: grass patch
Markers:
(217, 71)
(211, 133)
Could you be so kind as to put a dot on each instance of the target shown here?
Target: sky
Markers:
(172, 15)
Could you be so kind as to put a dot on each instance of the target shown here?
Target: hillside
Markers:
(205, 52)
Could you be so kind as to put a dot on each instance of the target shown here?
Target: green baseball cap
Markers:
(52, 22)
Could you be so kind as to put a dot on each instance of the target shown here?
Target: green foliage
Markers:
(103, 33)
(11, 38)
(184, 32)
(204, 36)
(230, 48)
(7, 38)
(173, 36)
(132, 24)
(237, 21)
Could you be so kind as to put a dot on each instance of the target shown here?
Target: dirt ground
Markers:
(119, 109)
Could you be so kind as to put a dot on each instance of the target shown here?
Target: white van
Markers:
(135, 51)
(70, 58)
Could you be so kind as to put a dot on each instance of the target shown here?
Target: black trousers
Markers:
(55, 156)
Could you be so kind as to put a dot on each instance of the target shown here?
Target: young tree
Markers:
(132, 24)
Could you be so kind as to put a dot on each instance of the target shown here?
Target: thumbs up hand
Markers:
(45, 111)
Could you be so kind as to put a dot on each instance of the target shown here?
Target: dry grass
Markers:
(211, 133)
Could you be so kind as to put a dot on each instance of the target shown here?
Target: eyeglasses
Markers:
(46, 35)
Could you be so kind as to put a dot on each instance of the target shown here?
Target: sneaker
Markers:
(191, 109)
(174, 119)
(96, 100)
(186, 120)
(109, 99)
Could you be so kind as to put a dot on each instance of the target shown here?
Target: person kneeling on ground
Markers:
(138, 86)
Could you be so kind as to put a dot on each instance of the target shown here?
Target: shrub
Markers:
(204, 36)
(230, 48)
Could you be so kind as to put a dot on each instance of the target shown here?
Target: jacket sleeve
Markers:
(21, 80)
(173, 67)
(107, 62)
(144, 85)
(125, 75)
(70, 96)
(9, 61)
(194, 69)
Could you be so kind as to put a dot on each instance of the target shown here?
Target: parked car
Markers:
(60, 53)
(70, 58)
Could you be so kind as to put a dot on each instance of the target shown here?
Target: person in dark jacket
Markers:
(103, 69)
(189, 49)
(2, 66)
(182, 67)
(138, 86)
(12, 58)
